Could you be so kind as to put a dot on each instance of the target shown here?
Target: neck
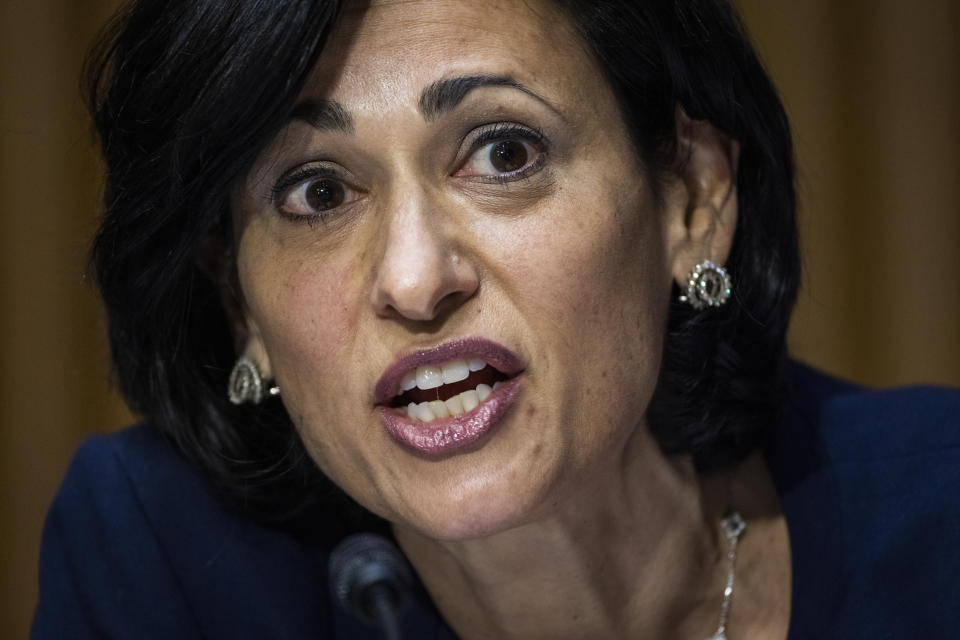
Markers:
(635, 554)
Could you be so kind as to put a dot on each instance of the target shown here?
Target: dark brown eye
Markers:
(504, 153)
(508, 155)
(324, 194)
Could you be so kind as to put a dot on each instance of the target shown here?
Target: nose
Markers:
(422, 273)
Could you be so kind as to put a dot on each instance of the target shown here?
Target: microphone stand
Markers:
(380, 598)
(371, 580)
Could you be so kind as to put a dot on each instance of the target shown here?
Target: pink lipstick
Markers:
(445, 434)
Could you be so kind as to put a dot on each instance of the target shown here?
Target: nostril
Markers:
(407, 297)
(421, 297)
(451, 302)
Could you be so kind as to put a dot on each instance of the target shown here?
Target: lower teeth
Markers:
(458, 404)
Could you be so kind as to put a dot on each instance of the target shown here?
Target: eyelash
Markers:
(503, 131)
(287, 182)
(297, 177)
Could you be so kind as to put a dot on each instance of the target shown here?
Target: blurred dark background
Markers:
(873, 90)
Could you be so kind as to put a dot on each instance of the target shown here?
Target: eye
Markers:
(322, 194)
(504, 154)
(310, 193)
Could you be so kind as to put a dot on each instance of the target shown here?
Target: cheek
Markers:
(307, 315)
(597, 265)
(304, 312)
(594, 285)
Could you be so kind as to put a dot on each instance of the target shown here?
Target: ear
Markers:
(254, 349)
(702, 210)
(215, 258)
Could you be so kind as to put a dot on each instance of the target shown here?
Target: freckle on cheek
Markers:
(315, 309)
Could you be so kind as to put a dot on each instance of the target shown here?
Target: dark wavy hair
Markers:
(185, 94)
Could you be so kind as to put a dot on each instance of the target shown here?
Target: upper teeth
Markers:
(432, 376)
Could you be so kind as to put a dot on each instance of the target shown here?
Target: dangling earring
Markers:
(246, 383)
(707, 286)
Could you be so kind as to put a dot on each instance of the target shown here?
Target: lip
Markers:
(445, 435)
(497, 356)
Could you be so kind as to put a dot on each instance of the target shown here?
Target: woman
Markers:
(461, 262)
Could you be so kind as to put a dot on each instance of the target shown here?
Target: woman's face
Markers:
(456, 187)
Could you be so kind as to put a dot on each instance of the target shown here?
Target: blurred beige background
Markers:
(873, 90)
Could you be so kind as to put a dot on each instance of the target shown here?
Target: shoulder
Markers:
(136, 545)
(883, 437)
(108, 471)
(134, 480)
(100, 553)
(870, 483)
(862, 424)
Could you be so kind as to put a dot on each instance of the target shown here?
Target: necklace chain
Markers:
(733, 526)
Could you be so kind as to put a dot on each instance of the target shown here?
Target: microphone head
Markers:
(361, 561)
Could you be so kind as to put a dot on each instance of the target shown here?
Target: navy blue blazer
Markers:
(136, 546)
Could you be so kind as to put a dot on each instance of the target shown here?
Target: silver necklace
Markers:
(733, 526)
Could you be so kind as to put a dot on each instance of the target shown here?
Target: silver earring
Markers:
(707, 286)
(246, 383)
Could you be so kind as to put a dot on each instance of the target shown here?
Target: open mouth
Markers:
(444, 398)
(448, 389)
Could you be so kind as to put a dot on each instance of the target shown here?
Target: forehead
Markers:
(385, 52)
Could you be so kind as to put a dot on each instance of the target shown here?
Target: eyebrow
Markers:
(443, 95)
(435, 100)
(324, 115)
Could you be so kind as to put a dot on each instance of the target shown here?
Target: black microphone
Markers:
(370, 578)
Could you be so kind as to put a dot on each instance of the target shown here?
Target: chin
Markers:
(467, 515)
(469, 526)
